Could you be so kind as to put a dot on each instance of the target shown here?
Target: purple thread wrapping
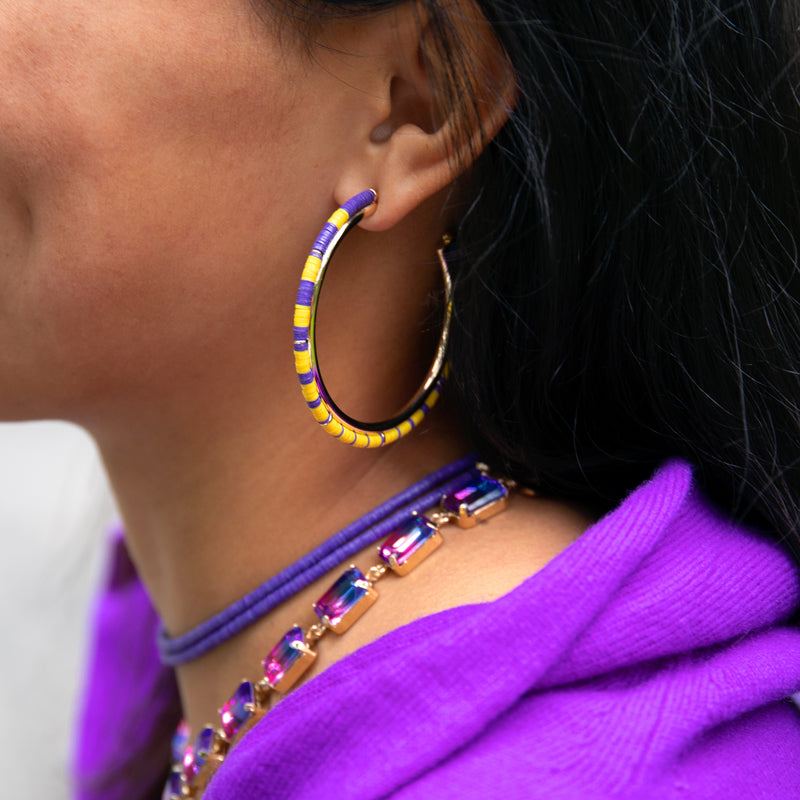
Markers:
(305, 293)
(355, 204)
(367, 530)
(323, 241)
(359, 202)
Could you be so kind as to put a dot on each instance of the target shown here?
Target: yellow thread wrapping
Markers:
(320, 414)
(418, 416)
(338, 218)
(302, 316)
(303, 364)
(334, 427)
(311, 269)
(302, 361)
(310, 392)
(404, 427)
(391, 435)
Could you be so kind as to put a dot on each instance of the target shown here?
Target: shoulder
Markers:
(572, 746)
(473, 566)
(638, 660)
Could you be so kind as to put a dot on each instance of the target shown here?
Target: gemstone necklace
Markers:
(345, 602)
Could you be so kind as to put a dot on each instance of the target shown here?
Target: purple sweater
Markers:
(651, 659)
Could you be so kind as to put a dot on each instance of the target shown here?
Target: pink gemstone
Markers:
(342, 597)
(196, 755)
(190, 768)
(483, 496)
(238, 709)
(407, 539)
(288, 661)
(283, 656)
(173, 789)
(179, 741)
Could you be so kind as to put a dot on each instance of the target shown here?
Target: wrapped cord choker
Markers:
(342, 545)
(473, 496)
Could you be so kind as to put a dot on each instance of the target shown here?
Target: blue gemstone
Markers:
(284, 655)
(173, 788)
(238, 709)
(407, 539)
(202, 747)
(479, 493)
(179, 741)
(342, 597)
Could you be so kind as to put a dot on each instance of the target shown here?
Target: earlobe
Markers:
(434, 130)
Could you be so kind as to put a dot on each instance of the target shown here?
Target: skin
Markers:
(163, 169)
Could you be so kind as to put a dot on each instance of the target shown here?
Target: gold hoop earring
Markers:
(325, 411)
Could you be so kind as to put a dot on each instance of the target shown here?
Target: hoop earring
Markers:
(325, 411)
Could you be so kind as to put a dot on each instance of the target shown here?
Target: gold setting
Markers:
(465, 519)
(356, 612)
(264, 690)
(298, 669)
(415, 559)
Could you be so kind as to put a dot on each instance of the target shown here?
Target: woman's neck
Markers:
(211, 511)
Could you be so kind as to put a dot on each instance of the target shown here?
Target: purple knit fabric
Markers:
(651, 659)
(131, 704)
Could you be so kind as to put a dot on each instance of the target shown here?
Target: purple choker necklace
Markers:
(461, 494)
(342, 545)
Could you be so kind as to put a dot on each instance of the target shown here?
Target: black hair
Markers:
(635, 295)
(626, 284)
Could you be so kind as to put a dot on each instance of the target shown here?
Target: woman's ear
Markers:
(437, 114)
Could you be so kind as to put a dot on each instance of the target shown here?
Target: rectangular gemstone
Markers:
(482, 498)
(410, 544)
(190, 768)
(203, 747)
(173, 789)
(344, 603)
(180, 739)
(239, 711)
(288, 660)
(208, 755)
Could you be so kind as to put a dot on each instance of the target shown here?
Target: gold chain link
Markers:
(264, 693)
(315, 633)
(376, 572)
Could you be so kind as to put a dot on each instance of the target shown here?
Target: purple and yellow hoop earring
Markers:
(325, 411)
